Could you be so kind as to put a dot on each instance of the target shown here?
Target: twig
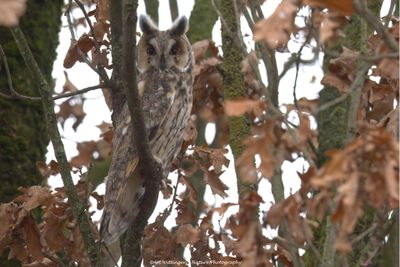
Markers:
(55, 259)
(78, 208)
(79, 92)
(357, 82)
(168, 210)
(149, 167)
(117, 94)
(80, 5)
(356, 92)
(268, 57)
(390, 12)
(38, 98)
(376, 24)
(14, 94)
(364, 234)
(100, 68)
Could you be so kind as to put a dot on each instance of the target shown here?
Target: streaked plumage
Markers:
(165, 79)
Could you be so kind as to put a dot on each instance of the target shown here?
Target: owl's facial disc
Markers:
(163, 50)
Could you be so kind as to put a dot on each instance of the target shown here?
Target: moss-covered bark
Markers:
(23, 136)
(201, 21)
(233, 82)
(152, 9)
(333, 129)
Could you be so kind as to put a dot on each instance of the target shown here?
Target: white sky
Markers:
(96, 110)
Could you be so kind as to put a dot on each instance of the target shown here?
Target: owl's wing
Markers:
(124, 188)
(123, 182)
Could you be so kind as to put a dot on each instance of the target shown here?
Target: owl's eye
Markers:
(150, 50)
(174, 50)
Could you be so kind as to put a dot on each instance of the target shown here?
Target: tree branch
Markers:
(117, 95)
(376, 24)
(149, 167)
(78, 208)
(15, 95)
(355, 93)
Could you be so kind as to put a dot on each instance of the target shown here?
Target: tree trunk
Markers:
(23, 135)
(333, 134)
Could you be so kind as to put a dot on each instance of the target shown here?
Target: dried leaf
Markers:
(187, 234)
(185, 214)
(31, 236)
(330, 27)
(68, 85)
(239, 107)
(48, 169)
(158, 244)
(365, 173)
(344, 7)
(342, 71)
(86, 152)
(84, 44)
(99, 199)
(190, 189)
(200, 49)
(101, 13)
(100, 58)
(33, 197)
(276, 29)
(54, 227)
(217, 186)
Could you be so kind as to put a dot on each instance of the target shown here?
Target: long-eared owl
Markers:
(165, 81)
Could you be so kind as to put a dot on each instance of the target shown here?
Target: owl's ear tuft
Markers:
(147, 25)
(180, 26)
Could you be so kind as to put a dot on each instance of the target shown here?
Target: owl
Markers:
(165, 80)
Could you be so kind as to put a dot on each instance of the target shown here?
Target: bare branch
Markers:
(81, 91)
(150, 168)
(13, 94)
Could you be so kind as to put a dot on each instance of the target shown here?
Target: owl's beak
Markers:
(163, 64)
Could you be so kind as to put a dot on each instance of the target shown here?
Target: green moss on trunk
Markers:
(202, 21)
(23, 136)
(233, 82)
(333, 128)
(152, 9)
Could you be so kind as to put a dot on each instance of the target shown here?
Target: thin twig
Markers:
(356, 92)
(390, 12)
(80, 92)
(269, 59)
(81, 6)
(100, 68)
(356, 83)
(13, 94)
